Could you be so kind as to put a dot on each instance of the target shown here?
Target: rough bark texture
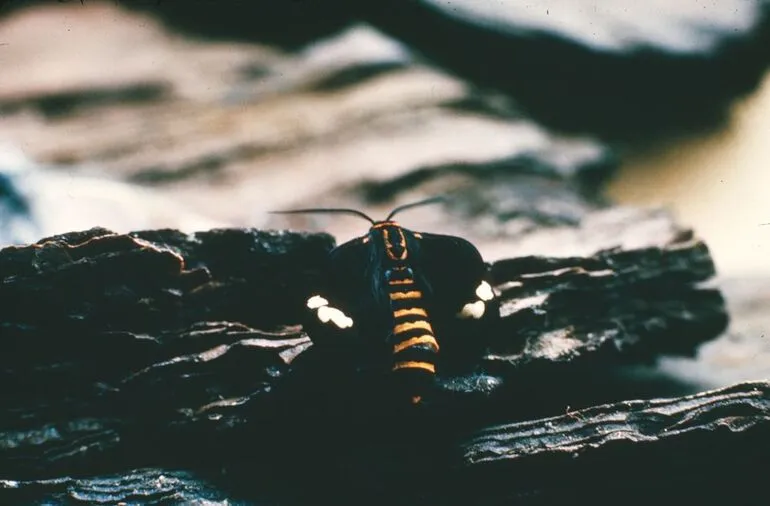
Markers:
(161, 348)
(706, 448)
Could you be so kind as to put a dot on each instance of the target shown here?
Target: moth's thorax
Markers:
(393, 240)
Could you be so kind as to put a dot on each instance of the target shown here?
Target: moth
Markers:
(409, 305)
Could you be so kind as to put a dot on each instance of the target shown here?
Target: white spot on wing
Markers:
(472, 310)
(484, 291)
(316, 301)
(340, 319)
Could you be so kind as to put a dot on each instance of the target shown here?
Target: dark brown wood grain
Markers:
(156, 346)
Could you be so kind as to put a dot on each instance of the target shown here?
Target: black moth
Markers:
(410, 305)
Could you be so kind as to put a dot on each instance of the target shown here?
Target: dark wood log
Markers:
(124, 349)
(141, 486)
(706, 449)
(85, 313)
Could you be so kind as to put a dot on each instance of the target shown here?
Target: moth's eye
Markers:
(473, 310)
(331, 314)
(316, 301)
(484, 291)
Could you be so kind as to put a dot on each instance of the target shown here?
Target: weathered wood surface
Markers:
(160, 347)
(706, 448)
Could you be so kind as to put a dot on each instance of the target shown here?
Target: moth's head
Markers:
(389, 237)
(378, 226)
(380, 229)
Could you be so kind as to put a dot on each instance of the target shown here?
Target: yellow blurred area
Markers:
(717, 183)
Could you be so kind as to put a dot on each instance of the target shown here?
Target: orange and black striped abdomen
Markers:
(414, 346)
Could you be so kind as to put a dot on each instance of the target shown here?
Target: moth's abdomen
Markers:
(414, 345)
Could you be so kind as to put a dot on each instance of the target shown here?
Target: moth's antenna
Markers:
(425, 202)
(324, 210)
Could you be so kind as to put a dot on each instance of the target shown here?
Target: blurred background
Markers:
(142, 114)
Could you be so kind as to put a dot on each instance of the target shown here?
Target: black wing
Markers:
(452, 267)
(350, 285)
(454, 270)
